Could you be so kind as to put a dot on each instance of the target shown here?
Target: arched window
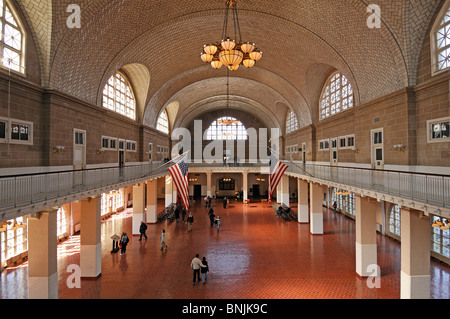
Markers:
(163, 123)
(119, 97)
(337, 96)
(440, 36)
(226, 128)
(291, 123)
(12, 39)
(394, 220)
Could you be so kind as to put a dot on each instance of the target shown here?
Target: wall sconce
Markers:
(355, 150)
(99, 152)
(58, 149)
(400, 147)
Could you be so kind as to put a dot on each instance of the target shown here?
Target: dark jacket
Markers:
(204, 269)
(190, 219)
(142, 228)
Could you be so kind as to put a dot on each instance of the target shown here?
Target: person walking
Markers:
(183, 214)
(204, 270)
(190, 221)
(225, 202)
(142, 230)
(177, 214)
(211, 216)
(123, 243)
(196, 264)
(334, 207)
(218, 221)
(162, 239)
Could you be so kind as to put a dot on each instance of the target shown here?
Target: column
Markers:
(285, 190)
(168, 186)
(415, 279)
(42, 256)
(303, 205)
(279, 193)
(208, 184)
(366, 232)
(316, 214)
(91, 243)
(138, 207)
(244, 186)
(152, 201)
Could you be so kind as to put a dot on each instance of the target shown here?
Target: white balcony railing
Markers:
(21, 190)
(427, 188)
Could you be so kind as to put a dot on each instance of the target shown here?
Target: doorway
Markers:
(79, 156)
(256, 191)
(377, 149)
(197, 191)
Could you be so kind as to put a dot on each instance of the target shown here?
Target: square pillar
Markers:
(244, 186)
(303, 201)
(138, 207)
(285, 190)
(91, 242)
(168, 186)
(316, 214)
(42, 256)
(152, 201)
(208, 184)
(366, 232)
(279, 193)
(415, 279)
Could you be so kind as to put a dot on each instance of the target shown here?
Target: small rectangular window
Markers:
(351, 141)
(2, 129)
(342, 142)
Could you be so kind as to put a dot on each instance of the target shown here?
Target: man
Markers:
(142, 230)
(225, 202)
(211, 216)
(190, 220)
(196, 264)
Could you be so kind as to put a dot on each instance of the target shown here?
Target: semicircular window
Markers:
(12, 39)
(118, 96)
(337, 96)
(226, 128)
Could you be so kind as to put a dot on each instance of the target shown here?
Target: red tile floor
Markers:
(256, 255)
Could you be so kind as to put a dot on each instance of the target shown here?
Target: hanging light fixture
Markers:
(231, 52)
(228, 120)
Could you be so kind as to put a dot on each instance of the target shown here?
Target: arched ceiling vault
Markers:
(302, 42)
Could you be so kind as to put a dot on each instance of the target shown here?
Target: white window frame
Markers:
(8, 130)
(327, 140)
(109, 148)
(3, 45)
(430, 124)
(433, 39)
(131, 143)
(346, 138)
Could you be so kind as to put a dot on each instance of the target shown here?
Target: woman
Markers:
(123, 243)
(204, 270)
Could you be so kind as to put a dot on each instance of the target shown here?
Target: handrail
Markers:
(378, 170)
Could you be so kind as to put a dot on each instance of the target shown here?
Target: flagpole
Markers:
(292, 163)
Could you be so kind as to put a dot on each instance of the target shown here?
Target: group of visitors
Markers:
(199, 266)
(214, 220)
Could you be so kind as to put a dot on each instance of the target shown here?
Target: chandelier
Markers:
(228, 52)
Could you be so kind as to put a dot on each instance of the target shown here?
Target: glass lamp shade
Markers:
(233, 67)
(248, 63)
(216, 64)
(207, 58)
(248, 47)
(210, 49)
(255, 55)
(231, 57)
(228, 44)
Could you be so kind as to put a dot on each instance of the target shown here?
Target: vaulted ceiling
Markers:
(157, 43)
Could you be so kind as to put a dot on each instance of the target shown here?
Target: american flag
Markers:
(179, 173)
(277, 169)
